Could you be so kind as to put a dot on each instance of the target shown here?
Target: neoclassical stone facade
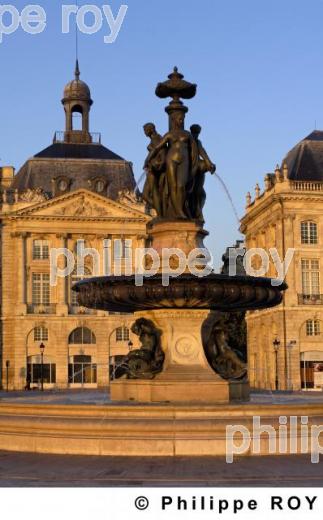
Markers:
(76, 189)
(285, 346)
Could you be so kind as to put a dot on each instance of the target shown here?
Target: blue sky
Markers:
(258, 65)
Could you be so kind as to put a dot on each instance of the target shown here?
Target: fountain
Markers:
(184, 355)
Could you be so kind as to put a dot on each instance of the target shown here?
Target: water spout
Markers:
(217, 176)
(141, 178)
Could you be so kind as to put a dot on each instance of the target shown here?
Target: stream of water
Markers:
(217, 176)
(141, 178)
(228, 194)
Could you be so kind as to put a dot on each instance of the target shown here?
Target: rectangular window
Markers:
(34, 373)
(81, 370)
(40, 289)
(40, 250)
(313, 328)
(310, 277)
(309, 233)
(40, 334)
(122, 334)
(122, 248)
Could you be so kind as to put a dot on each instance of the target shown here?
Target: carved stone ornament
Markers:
(36, 195)
(128, 197)
(82, 208)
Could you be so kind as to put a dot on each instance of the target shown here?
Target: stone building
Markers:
(76, 189)
(285, 347)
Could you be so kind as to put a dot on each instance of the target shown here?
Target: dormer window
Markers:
(99, 186)
(62, 185)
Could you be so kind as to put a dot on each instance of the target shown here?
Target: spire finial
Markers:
(77, 70)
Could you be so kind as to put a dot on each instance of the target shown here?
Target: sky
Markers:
(258, 66)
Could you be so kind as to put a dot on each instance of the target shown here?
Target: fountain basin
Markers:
(214, 292)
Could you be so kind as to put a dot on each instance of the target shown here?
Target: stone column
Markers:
(62, 283)
(22, 274)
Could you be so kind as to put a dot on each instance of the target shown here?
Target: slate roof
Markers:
(78, 151)
(80, 163)
(305, 160)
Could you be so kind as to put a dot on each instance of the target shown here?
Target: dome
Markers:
(305, 160)
(77, 90)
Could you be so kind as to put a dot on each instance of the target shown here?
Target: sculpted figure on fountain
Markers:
(177, 162)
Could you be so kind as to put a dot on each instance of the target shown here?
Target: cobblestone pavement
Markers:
(33, 470)
(101, 397)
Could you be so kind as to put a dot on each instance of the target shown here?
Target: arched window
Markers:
(40, 333)
(82, 336)
(122, 334)
(77, 117)
(313, 328)
(40, 250)
(309, 232)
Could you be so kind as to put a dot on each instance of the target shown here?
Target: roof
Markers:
(305, 160)
(80, 164)
(78, 151)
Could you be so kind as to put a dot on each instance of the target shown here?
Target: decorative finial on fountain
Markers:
(176, 87)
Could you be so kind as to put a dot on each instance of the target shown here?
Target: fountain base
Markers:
(187, 375)
(185, 235)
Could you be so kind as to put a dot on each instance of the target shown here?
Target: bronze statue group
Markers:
(176, 166)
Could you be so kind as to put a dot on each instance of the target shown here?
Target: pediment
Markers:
(82, 204)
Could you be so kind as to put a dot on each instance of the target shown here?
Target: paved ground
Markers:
(101, 397)
(30, 470)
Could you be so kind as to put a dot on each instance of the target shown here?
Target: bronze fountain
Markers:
(184, 354)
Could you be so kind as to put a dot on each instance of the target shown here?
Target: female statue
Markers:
(155, 177)
(181, 165)
(198, 195)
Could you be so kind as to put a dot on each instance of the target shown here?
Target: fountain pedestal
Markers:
(184, 235)
(187, 375)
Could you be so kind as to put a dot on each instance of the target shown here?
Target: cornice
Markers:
(51, 218)
(261, 205)
(26, 211)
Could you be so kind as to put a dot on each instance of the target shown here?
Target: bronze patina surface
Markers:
(176, 166)
(215, 292)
